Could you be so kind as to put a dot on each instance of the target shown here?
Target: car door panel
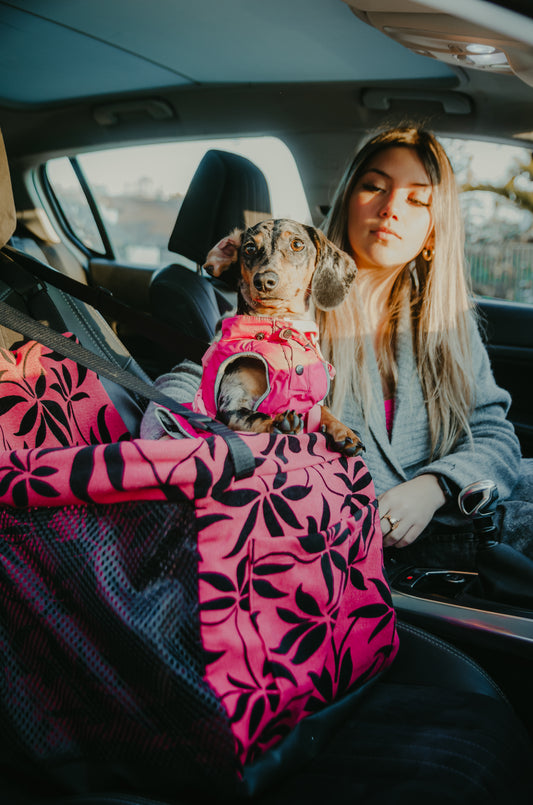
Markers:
(508, 328)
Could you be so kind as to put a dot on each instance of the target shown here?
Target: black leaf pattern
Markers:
(294, 444)
(275, 529)
(226, 476)
(289, 638)
(313, 543)
(385, 620)
(245, 531)
(323, 684)
(40, 385)
(257, 713)
(219, 581)
(235, 497)
(104, 435)
(267, 590)
(241, 707)
(383, 590)
(203, 479)
(357, 579)
(369, 611)
(242, 569)
(81, 473)
(115, 466)
(310, 643)
(7, 403)
(269, 569)
(284, 511)
(28, 421)
(278, 671)
(43, 488)
(279, 480)
(296, 492)
(280, 450)
(345, 672)
(327, 575)
(307, 603)
(326, 514)
(289, 616)
(20, 494)
(217, 603)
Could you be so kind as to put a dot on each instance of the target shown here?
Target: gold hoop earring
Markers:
(427, 254)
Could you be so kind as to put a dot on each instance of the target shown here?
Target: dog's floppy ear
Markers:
(224, 254)
(334, 273)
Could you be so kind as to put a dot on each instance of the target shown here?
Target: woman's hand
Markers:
(410, 507)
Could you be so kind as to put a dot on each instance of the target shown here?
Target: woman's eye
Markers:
(373, 188)
(297, 245)
(419, 202)
(250, 249)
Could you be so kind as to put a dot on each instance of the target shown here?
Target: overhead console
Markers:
(458, 40)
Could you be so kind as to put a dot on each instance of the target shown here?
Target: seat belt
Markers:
(172, 339)
(241, 455)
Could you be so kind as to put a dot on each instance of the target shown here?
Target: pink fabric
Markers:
(297, 374)
(46, 401)
(294, 608)
(389, 415)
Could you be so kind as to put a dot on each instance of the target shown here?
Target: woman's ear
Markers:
(224, 254)
(430, 242)
(334, 272)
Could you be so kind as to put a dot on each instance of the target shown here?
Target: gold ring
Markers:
(392, 521)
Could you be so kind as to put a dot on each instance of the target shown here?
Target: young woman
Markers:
(412, 373)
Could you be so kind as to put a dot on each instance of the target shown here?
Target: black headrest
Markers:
(227, 191)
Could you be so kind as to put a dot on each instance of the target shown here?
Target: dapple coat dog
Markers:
(265, 372)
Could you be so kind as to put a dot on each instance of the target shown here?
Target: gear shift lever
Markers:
(504, 574)
(478, 502)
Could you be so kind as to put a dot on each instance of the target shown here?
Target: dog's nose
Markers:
(266, 281)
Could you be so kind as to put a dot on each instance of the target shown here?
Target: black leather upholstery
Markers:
(435, 729)
(226, 192)
(177, 294)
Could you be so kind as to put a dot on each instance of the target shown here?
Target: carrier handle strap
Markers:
(241, 455)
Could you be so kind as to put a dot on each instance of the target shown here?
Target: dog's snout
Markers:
(266, 281)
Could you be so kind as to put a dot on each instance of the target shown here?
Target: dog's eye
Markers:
(297, 244)
(250, 249)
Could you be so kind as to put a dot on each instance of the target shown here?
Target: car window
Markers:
(73, 203)
(138, 192)
(496, 194)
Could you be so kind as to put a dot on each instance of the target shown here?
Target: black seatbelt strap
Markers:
(242, 456)
(172, 339)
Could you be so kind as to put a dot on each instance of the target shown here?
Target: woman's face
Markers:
(389, 213)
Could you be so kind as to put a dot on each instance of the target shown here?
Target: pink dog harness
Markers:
(298, 377)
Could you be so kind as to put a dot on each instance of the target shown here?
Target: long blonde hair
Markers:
(438, 295)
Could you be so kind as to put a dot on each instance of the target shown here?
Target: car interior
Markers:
(319, 76)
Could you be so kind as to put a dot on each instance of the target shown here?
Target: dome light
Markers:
(480, 50)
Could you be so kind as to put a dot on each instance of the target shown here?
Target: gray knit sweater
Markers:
(494, 452)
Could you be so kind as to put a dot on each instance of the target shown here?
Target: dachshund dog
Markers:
(264, 372)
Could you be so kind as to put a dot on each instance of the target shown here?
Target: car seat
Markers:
(60, 310)
(435, 728)
(227, 191)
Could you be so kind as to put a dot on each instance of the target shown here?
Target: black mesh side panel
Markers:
(102, 663)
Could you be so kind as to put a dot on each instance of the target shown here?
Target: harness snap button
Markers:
(299, 369)
(259, 336)
(286, 334)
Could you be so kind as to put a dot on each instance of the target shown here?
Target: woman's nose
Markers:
(389, 208)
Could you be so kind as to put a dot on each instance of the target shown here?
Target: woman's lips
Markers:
(384, 232)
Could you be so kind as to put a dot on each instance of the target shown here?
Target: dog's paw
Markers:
(287, 422)
(347, 442)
